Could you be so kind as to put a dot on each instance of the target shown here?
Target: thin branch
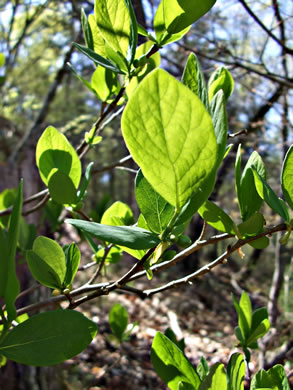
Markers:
(101, 265)
(113, 165)
(37, 206)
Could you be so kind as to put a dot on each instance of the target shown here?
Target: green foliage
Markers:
(221, 79)
(274, 378)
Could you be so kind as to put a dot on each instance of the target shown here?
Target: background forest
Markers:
(253, 39)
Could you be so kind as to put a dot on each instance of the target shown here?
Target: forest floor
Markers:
(202, 313)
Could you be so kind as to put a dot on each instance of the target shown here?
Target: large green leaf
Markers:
(287, 177)
(236, 372)
(61, 187)
(220, 121)
(54, 151)
(175, 146)
(46, 262)
(131, 237)
(155, 209)
(171, 364)
(179, 14)
(194, 79)
(113, 20)
(275, 379)
(216, 379)
(49, 338)
(268, 195)
(216, 217)
(12, 284)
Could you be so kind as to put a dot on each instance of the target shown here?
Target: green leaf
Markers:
(97, 58)
(54, 151)
(118, 320)
(253, 225)
(216, 379)
(155, 209)
(238, 175)
(172, 336)
(258, 316)
(86, 29)
(61, 187)
(12, 284)
(268, 195)
(244, 312)
(99, 44)
(131, 237)
(178, 138)
(171, 365)
(2, 60)
(113, 256)
(133, 31)
(72, 259)
(287, 177)
(259, 332)
(85, 82)
(85, 182)
(236, 372)
(46, 262)
(4, 265)
(7, 198)
(114, 23)
(194, 79)
(220, 122)
(249, 199)
(238, 334)
(216, 217)
(118, 214)
(221, 79)
(275, 379)
(202, 368)
(179, 14)
(104, 83)
(260, 243)
(49, 338)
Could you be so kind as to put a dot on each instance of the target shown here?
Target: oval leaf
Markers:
(179, 145)
(131, 237)
(49, 338)
(54, 151)
(61, 188)
(216, 217)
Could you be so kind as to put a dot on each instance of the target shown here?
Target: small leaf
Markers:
(118, 214)
(216, 378)
(253, 225)
(275, 379)
(287, 177)
(97, 58)
(202, 368)
(46, 262)
(171, 365)
(178, 138)
(221, 79)
(113, 256)
(155, 209)
(194, 79)
(244, 312)
(268, 195)
(85, 182)
(216, 217)
(118, 320)
(61, 187)
(88, 37)
(49, 338)
(113, 20)
(236, 372)
(54, 151)
(72, 256)
(104, 82)
(131, 237)
(133, 31)
(259, 332)
(179, 14)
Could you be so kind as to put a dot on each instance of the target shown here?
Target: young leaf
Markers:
(48, 338)
(7, 198)
(171, 365)
(114, 23)
(220, 122)
(268, 195)
(72, 259)
(259, 332)
(216, 217)
(104, 83)
(54, 151)
(85, 182)
(179, 142)
(99, 44)
(118, 320)
(88, 37)
(202, 368)
(131, 237)
(194, 79)
(61, 187)
(287, 177)
(179, 14)
(97, 58)
(221, 79)
(172, 336)
(216, 378)
(46, 262)
(275, 378)
(12, 284)
(244, 312)
(118, 214)
(155, 209)
(253, 225)
(236, 372)
(133, 31)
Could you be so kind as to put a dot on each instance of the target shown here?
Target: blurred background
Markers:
(253, 39)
